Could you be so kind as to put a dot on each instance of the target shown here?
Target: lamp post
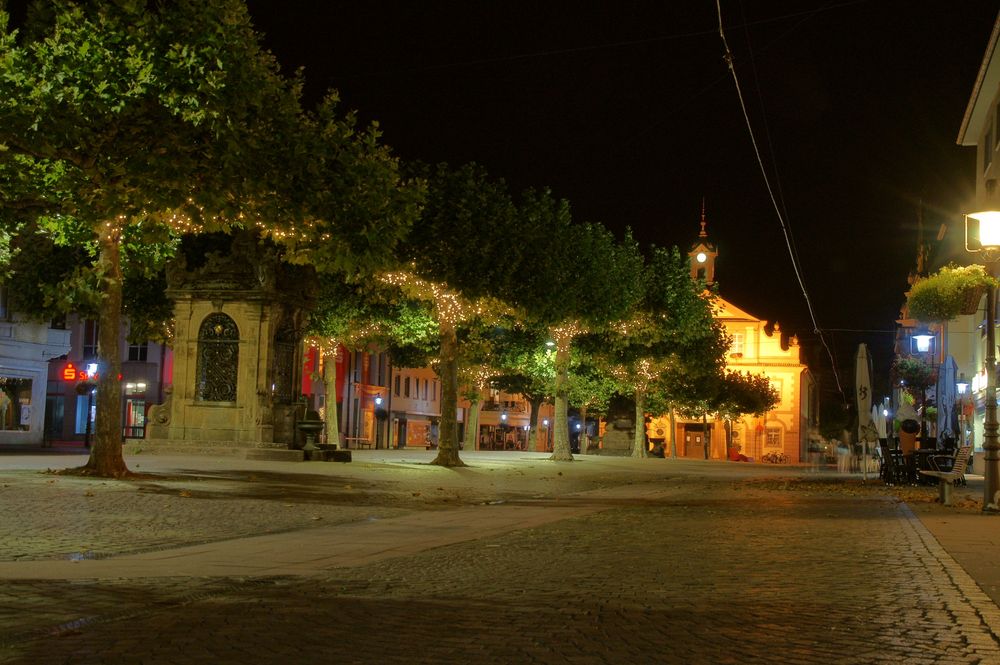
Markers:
(986, 239)
(962, 387)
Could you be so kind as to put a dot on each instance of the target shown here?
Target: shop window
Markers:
(83, 406)
(134, 426)
(15, 403)
(218, 359)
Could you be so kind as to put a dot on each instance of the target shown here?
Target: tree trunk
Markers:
(472, 425)
(704, 432)
(639, 439)
(448, 435)
(584, 438)
(535, 403)
(673, 432)
(330, 386)
(560, 435)
(106, 458)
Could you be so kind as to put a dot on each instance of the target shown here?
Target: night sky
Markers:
(628, 110)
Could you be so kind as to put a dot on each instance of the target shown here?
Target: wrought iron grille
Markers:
(218, 359)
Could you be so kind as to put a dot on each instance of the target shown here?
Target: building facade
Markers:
(69, 401)
(26, 348)
(757, 347)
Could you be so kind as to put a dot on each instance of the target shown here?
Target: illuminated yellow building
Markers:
(758, 348)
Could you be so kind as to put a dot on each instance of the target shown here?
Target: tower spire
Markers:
(703, 253)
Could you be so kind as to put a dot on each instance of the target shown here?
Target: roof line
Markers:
(977, 87)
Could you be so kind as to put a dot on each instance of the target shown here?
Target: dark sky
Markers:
(628, 110)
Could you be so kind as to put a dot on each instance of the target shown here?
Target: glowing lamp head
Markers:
(923, 342)
(378, 400)
(503, 416)
(989, 227)
(701, 257)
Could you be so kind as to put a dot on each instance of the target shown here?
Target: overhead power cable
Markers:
(774, 202)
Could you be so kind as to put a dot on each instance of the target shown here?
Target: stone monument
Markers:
(237, 365)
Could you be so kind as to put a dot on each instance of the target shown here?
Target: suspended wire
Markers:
(593, 47)
(777, 208)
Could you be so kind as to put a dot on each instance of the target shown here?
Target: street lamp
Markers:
(962, 387)
(984, 233)
(922, 341)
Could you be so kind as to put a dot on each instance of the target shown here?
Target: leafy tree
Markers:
(358, 315)
(458, 258)
(525, 367)
(590, 390)
(580, 279)
(671, 329)
(126, 121)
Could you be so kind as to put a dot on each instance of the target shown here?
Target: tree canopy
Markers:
(133, 121)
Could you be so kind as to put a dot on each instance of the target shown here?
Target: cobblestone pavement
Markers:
(719, 570)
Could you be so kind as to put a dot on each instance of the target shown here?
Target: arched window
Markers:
(218, 359)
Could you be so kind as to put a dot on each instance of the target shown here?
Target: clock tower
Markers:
(703, 254)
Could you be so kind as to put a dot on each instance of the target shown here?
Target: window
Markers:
(406, 387)
(138, 352)
(425, 389)
(987, 147)
(434, 394)
(218, 359)
(90, 331)
(15, 403)
(4, 313)
(773, 437)
(737, 346)
(996, 123)
(396, 386)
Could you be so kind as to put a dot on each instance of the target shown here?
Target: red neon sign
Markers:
(70, 373)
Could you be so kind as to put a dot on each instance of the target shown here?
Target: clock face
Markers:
(701, 257)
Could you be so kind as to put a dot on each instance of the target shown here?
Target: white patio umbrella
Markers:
(947, 380)
(879, 419)
(863, 386)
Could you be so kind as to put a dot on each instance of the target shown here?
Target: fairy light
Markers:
(449, 307)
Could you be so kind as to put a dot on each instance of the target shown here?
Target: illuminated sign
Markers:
(70, 373)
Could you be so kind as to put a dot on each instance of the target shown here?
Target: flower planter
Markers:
(971, 299)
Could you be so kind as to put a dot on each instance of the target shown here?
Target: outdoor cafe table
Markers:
(922, 458)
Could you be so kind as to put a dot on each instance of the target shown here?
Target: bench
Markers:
(946, 479)
(358, 441)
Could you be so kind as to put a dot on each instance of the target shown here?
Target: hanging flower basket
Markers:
(971, 299)
(948, 293)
